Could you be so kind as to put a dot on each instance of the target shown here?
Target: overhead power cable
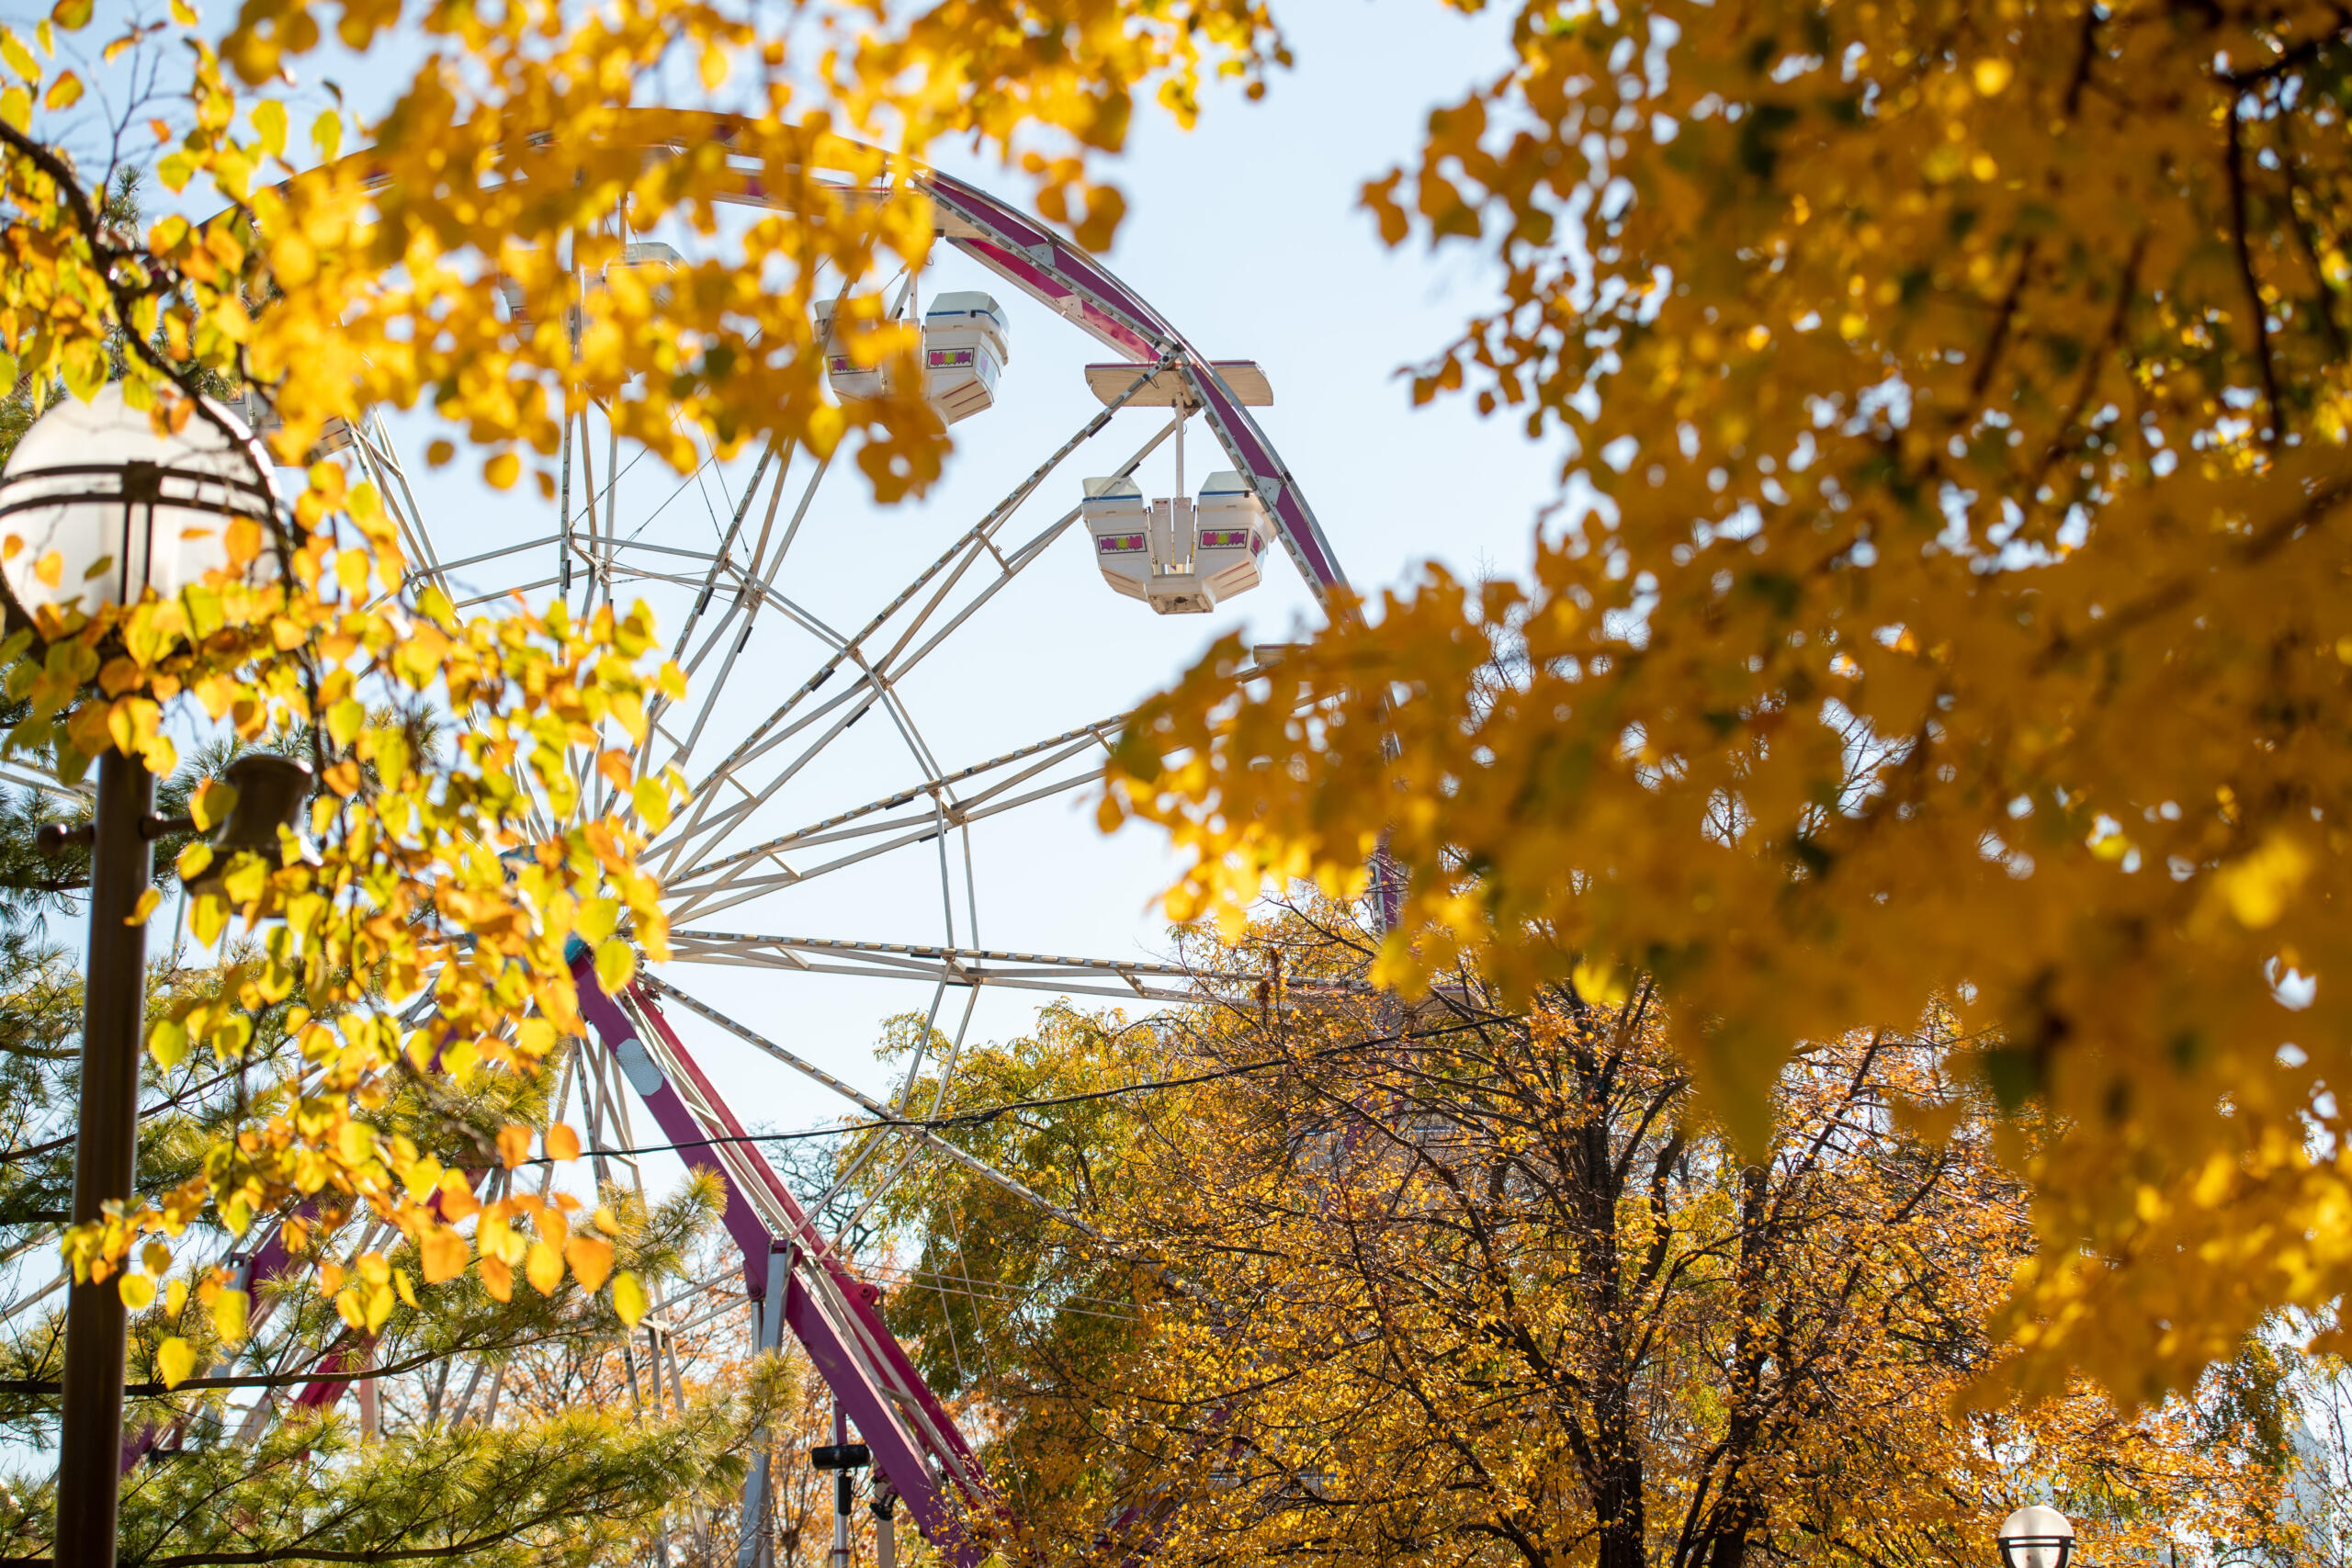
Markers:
(982, 1115)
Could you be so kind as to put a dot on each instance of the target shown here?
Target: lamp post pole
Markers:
(99, 506)
(104, 1154)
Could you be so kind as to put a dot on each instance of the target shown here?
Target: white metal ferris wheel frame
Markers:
(795, 1276)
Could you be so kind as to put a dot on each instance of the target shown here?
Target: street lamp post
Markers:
(96, 508)
(2036, 1537)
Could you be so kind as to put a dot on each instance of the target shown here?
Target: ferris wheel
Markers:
(848, 739)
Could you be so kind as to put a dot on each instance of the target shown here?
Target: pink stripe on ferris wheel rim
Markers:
(1031, 256)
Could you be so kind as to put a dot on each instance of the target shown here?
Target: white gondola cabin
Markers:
(1231, 533)
(964, 351)
(965, 348)
(1179, 556)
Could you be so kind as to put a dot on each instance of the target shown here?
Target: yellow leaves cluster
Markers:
(1004, 72)
(405, 883)
(1963, 384)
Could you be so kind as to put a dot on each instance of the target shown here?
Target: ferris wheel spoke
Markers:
(723, 562)
(858, 699)
(440, 572)
(469, 603)
(884, 824)
(872, 1107)
(702, 832)
(1039, 755)
(1123, 979)
(381, 457)
(908, 730)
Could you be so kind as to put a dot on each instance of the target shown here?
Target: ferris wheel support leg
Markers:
(752, 1539)
(826, 1308)
(885, 1528)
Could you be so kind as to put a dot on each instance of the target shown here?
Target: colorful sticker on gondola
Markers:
(1118, 544)
(950, 358)
(1225, 539)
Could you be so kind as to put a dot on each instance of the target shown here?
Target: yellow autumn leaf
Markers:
(596, 919)
(443, 1253)
(269, 125)
(175, 1362)
(628, 1298)
(229, 1311)
(543, 1265)
(615, 964)
(652, 801)
(590, 1257)
(381, 1301)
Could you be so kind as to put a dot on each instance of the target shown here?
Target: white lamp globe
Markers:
(2037, 1537)
(96, 507)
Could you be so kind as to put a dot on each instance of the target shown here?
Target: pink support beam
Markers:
(916, 1446)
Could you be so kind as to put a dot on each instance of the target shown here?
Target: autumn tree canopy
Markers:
(1962, 383)
(1959, 619)
(1479, 1284)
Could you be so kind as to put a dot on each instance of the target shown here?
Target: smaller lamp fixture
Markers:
(840, 1456)
(270, 793)
(2036, 1537)
(102, 508)
(271, 790)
